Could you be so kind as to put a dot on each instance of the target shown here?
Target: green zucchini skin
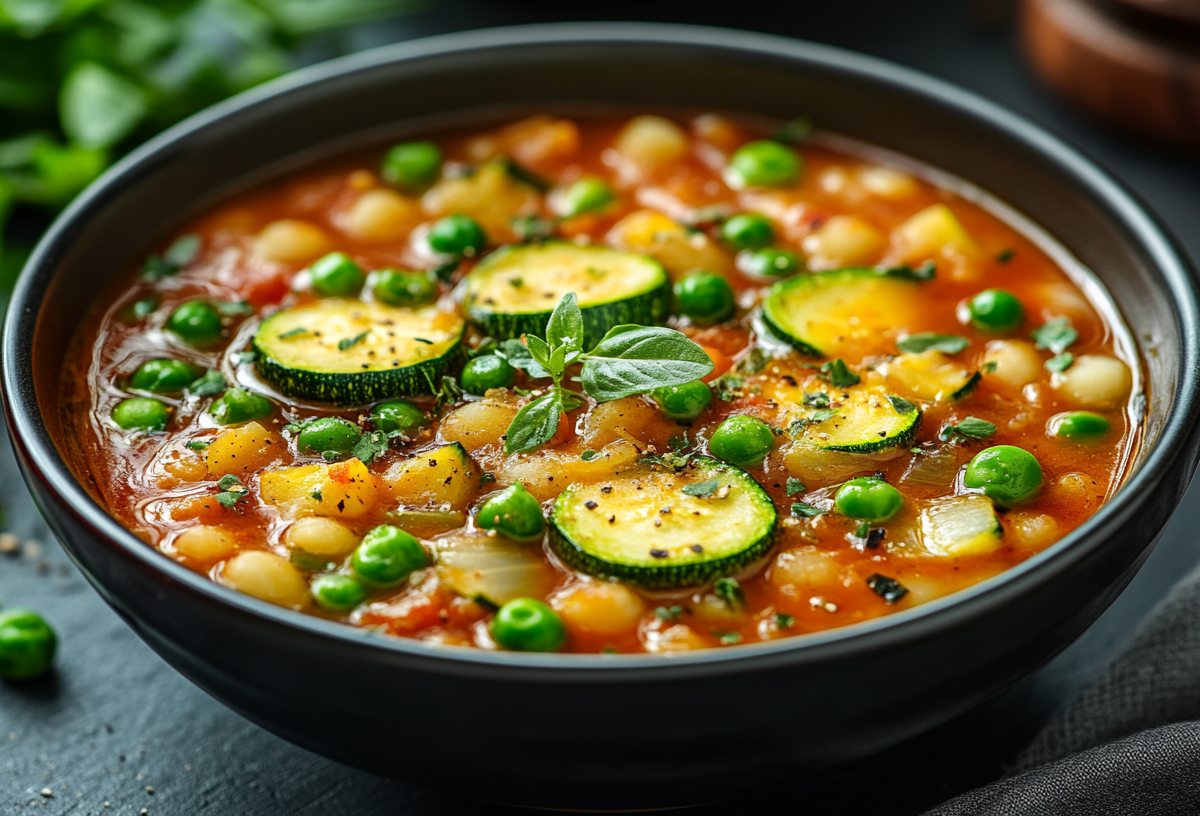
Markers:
(968, 388)
(863, 413)
(354, 380)
(586, 552)
(650, 306)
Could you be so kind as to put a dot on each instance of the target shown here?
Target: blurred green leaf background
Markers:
(83, 81)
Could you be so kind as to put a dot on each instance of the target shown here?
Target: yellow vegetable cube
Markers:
(433, 479)
(346, 490)
(243, 450)
(668, 243)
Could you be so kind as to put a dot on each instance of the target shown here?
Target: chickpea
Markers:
(1095, 381)
(844, 240)
(677, 638)
(1032, 530)
(323, 537)
(650, 141)
(599, 608)
(268, 577)
(380, 216)
(291, 241)
(1016, 363)
(887, 182)
(205, 544)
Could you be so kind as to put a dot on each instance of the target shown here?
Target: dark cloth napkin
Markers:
(1129, 744)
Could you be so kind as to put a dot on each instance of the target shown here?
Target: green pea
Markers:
(329, 434)
(705, 298)
(27, 644)
(1005, 473)
(336, 275)
(396, 287)
(164, 376)
(141, 414)
(338, 593)
(527, 625)
(513, 513)
(1078, 426)
(457, 235)
(742, 441)
(239, 405)
(411, 164)
(769, 263)
(748, 231)
(196, 322)
(487, 371)
(398, 416)
(386, 556)
(683, 403)
(995, 310)
(763, 164)
(868, 498)
(586, 195)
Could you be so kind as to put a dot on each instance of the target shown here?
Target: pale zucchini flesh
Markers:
(931, 376)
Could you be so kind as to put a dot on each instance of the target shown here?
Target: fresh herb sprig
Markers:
(628, 360)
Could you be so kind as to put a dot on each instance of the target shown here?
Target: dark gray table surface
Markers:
(116, 730)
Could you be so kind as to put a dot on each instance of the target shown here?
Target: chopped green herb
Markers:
(486, 478)
(1061, 362)
(1056, 335)
(794, 486)
(784, 620)
(889, 589)
(990, 366)
(901, 405)
(227, 308)
(817, 400)
(197, 445)
(924, 272)
(331, 455)
(486, 603)
(754, 362)
(240, 357)
(925, 341)
(315, 495)
(795, 131)
(211, 384)
(144, 308)
(666, 613)
(726, 638)
(609, 650)
(370, 446)
(296, 332)
(347, 343)
(969, 428)
(805, 510)
(1005, 255)
(531, 228)
(727, 387)
(523, 175)
(588, 455)
(862, 530)
(232, 490)
(730, 591)
(448, 393)
(838, 374)
(702, 490)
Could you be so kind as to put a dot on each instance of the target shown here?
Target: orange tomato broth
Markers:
(815, 576)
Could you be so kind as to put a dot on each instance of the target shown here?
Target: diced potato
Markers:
(546, 473)
(804, 567)
(599, 608)
(292, 241)
(677, 638)
(1011, 363)
(630, 418)
(346, 490)
(935, 233)
(380, 216)
(432, 479)
(185, 465)
(844, 240)
(205, 544)
(1095, 381)
(536, 142)
(654, 234)
(478, 424)
(243, 450)
(651, 141)
(323, 537)
(268, 577)
(491, 196)
(719, 131)
(887, 182)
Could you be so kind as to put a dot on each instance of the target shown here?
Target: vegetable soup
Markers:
(601, 384)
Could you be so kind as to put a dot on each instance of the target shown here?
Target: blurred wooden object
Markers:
(1134, 63)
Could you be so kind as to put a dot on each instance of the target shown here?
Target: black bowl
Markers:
(597, 731)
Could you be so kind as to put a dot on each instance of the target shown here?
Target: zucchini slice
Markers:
(349, 353)
(514, 290)
(863, 420)
(930, 376)
(642, 528)
(961, 525)
(842, 312)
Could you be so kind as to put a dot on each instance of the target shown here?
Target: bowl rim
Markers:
(33, 441)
